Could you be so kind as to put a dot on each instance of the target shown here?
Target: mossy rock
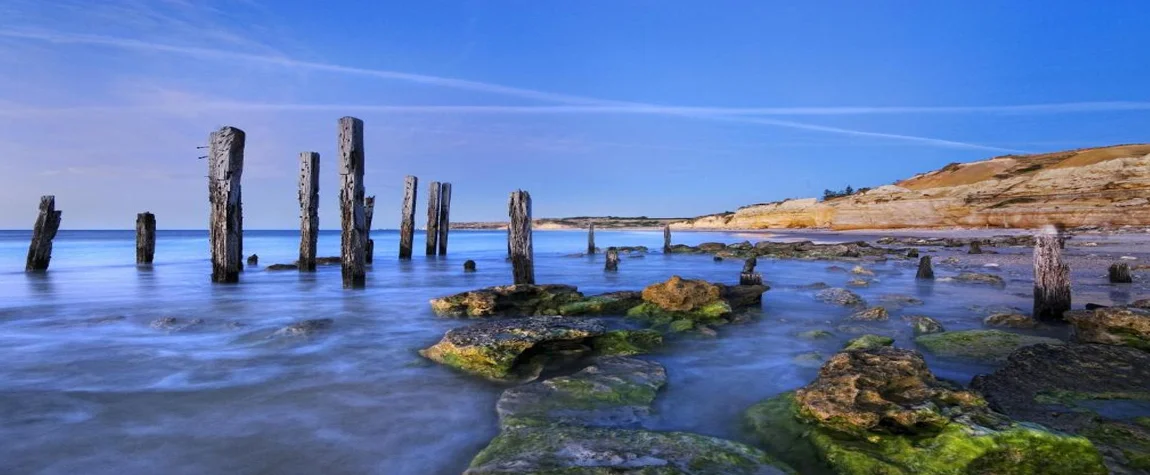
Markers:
(1112, 326)
(657, 315)
(1128, 444)
(614, 303)
(626, 342)
(493, 349)
(866, 342)
(508, 301)
(925, 325)
(980, 345)
(816, 335)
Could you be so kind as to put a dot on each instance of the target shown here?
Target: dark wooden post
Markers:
(145, 238)
(444, 216)
(612, 259)
(43, 232)
(1120, 273)
(925, 271)
(308, 209)
(432, 217)
(591, 238)
(351, 200)
(975, 247)
(407, 217)
(226, 232)
(519, 237)
(369, 243)
(666, 239)
(749, 276)
(1051, 277)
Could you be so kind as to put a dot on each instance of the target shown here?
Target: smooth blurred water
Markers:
(81, 392)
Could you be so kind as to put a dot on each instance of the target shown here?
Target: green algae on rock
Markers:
(683, 304)
(626, 342)
(980, 278)
(867, 342)
(873, 314)
(508, 300)
(1112, 326)
(1010, 320)
(816, 334)
(614, 303)
(493, 349)
(981, 345)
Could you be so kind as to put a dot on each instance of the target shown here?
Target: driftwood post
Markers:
(666, 239)
(444, 216)
(519, 237)
(407, 217)
(612, 259)
(44, 231)
(1051, 276)
(145, 238)
(308, 209)
(226, 231)
(1120, 273)
(369, 243)
(749, 276)
(351, 200)
(925, 271)
(432, 217)
(591, 238)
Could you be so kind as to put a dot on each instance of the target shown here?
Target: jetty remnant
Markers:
(444, 216)
(432, 217)
(351, 200)
(749, 276)
(666, 239)
(925, 271)
(591, 238)
(369, 243)
(44, 231)
(1120, 273)
(1051, 276)
(519, 238)
(226, 230)
(407, 217)
(612, 259)
(308, 209)
(145, 238)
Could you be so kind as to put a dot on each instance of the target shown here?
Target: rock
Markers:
(173, 324)
(1112, 326)
(680, 299)
(981, 345)
(275, 267)
(809, 359)
(626, 342)
(873, 314)
(305, 327)
(469, 266)
(717, 259)
(253, 260)
(741, 246)
(839, 296)
(823, 285)
(867, 342)
(1095, 306)
(980, 278)
(1010, 320)
(950, 261)
(492, 349)
(707, 331)
(925, 325)
(1141, 303)
(509, 300)
(613, 303)
(858, 283)
(816, 334)
(328, 261)
(1058, 385)
(860, 270)
(836, 269)
(742, 296)
(682, 295)
(912, 253)
(881, 411)
(712, 246)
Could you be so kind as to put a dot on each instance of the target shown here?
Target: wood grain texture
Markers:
(145, 238)
(591, 238)
(519, 238)
(407, 217)
(43, 232)
(667, 239)
(925, 270)
(353, 220)
(369, 243)
(308, 209)
(444, 216)
(612, 263)
(226, 227)
(432, 217)
(1051, 277)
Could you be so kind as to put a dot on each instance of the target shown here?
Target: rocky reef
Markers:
(1112, 326)
(516, 349)
(981, 345)
(787, 250)
(508, 300)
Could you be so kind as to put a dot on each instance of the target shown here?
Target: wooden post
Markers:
(43, 232)
(432, 217)
(407, 217)
(612, 259)
(666, 239)
(351, 200)
(444, 216)
(368, 214)
(591, 238)
(749, 276)
(308, 209)
(226, 231)
(1120, 273)
(469, 266)
(519, 237)
(1051, 276)
(925, 271)
(145, 238)
(254, 260)
(975, 248)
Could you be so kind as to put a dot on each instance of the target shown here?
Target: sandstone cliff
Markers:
(1107, 186)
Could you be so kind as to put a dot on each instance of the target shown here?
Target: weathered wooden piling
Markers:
(43, 232)
(667, 239)
(308, 209)
(1051, 276)
(1120, 273)
(925, 271)
(975, 247)
(519, 237)
(369, 243)
(407, 217)
(432, 217)
(612, 264)
(145, 238)
(226, 231)
(748, 276)
(444, 216)
(591, 238)
(351, 199)
(469, 266)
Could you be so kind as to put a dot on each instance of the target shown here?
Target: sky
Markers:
(662, 108)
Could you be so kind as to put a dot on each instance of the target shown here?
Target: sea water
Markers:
(89, 386)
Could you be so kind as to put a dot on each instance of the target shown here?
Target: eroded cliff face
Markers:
(1107, 186)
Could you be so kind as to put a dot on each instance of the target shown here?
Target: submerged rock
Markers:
(173, 324)
(925, 325)
(1112, 326)
(494, 349)
(305, 327)
(509, 300)
(1010, 320)
(839, 296)
(980, 278)
(275, 267)
(867, 342)
(613, 303)
(982, 345)
(816, 334)
(858, 283)
(873, 314)
(626, 342)
(612, 391)
(860, 270)
(742, 296)
(897, 300)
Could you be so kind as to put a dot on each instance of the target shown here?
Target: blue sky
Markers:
(658, 108)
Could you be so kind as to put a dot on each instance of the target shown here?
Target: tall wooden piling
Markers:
(145, 238)
(925, 270)
(612, 264)
(43, 232)
(432, 217)
(407, 217)
(369, 243)
(666, 239)
(308, 209)
(519, 238)
(351, 199)
(1120, 273)
(444, 216)
(226, 231)
(1051, 276)
(591, 238)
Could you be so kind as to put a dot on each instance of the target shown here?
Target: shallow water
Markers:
(84, 392)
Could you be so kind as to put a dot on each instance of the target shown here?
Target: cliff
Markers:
(1106, 186)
